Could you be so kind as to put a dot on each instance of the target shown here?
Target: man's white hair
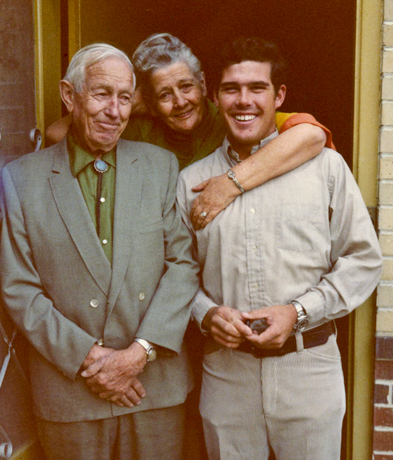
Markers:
(89, 55)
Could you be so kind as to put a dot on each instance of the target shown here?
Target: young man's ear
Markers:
(280, 97)
(203, 84)
(67, 94)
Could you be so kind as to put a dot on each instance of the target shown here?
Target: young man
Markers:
(294, 254)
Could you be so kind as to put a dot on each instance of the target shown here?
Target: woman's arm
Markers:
(58, 130)
(286, 152)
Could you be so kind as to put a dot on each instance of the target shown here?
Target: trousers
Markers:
(147, 435)
(293, 404)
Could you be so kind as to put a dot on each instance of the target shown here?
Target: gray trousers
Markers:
(147, 435)
(295, 403)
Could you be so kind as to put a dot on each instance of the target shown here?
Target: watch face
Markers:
(152, 355)
(302, 324)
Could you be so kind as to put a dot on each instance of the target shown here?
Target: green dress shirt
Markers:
(82, 167)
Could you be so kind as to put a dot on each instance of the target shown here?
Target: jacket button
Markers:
(94, 303)
(100, 342)
(141, 295)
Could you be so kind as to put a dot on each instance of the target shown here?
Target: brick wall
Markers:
(383, 393)
(17, 104)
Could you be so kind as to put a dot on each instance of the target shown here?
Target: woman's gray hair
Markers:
(89, 55)
(162, 50)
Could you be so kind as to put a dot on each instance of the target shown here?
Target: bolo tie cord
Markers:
(101, 167)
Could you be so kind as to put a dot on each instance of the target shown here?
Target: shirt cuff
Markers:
(200, 306)
(315, 307)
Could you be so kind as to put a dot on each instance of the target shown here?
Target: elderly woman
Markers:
(174, 113)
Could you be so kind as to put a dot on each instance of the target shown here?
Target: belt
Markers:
(311, 338)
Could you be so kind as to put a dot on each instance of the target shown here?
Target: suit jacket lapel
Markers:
(72, 207)
(127, 202)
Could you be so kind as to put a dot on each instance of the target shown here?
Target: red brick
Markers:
(382, 457)
(383, 416)
(384, 348)
(383, 440)
(381, 393)
(384, 370)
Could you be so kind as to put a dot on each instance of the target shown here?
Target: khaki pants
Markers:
(294, 403)
(147, 435)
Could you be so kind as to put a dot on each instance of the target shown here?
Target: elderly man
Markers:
(279, 264)
(97, 273)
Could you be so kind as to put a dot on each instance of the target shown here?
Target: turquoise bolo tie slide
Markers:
(100, 166)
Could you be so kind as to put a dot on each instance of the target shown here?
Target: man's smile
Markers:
(244, 117)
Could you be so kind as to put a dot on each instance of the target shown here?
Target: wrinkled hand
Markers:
(114, 376)
(96, 352)
(217, 193)
(281, 320)
(226, 326)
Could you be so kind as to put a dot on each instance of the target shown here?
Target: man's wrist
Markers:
(302, 319)
(151, 353)
(206, 322)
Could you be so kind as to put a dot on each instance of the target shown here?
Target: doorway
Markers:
(318, 39)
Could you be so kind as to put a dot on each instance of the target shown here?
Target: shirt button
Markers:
(254, 247)
(252, 210)
(104, 241)
(141, 296)
(100, 342)
(94, 303)
(102, 199)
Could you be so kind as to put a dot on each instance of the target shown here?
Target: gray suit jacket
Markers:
(53, 266)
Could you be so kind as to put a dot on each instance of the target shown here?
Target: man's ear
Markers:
(67, 94)
(281, 96)
(215, 98)
(203, 84)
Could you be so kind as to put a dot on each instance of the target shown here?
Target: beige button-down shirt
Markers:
(305, 235)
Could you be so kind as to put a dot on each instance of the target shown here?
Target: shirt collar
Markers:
(233, 157)
(80, 158)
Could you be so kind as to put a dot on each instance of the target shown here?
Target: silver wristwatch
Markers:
(232, 176)
(302, 320)
(150, 350)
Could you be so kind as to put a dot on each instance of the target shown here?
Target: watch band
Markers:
(150, 350)
(232, 176)
(302, 320)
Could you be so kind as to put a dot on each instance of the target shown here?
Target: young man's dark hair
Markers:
(252, 49)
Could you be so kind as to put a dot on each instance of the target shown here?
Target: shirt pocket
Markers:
(298, 226)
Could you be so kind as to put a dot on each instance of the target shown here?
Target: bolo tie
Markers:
(101, 167)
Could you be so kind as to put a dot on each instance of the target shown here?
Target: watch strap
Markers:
(302, 320)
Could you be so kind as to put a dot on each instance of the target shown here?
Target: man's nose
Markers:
(244, 98)
(112, 107)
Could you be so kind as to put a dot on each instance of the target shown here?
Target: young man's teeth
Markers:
(245, 117)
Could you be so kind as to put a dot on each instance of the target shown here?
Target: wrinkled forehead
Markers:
(110, 71)
(171, 75)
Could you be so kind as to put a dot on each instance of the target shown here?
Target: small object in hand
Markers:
(258, 325)
(203, 214)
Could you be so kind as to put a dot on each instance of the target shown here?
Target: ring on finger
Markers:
(203, 214)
